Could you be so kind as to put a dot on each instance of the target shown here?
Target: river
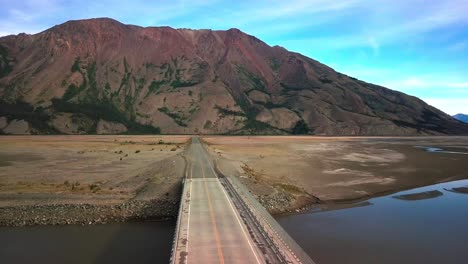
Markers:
(422, 225)
(144, 242)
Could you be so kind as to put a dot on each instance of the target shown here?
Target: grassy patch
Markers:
(72, 91)
(256, 82)
(271, 105)
(126, 65)
(150, 65)
(38, 118)
(289, 188)
(226, 112)
(5, 67)
(289, 87)
(324, 79)
(155, 86)
(76, 65)
(255, 125)
(169, 71)
(103, 109)
(275, 64)
(208, 124)
(3, 51)
(177, 83)
(301, 128)
(175, 116)
(125, 79)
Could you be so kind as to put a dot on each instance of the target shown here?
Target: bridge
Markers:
(220, 222)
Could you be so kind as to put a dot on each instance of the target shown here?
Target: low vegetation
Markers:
(5, 67)
(155, 87)
(103, 109)
(301, 128)
(177, 83)
(76, 65)
(255, 81)
(174, 115)
(37, 117)
(227, 112)
(72, 91)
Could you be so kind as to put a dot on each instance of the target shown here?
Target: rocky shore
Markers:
(87, 214)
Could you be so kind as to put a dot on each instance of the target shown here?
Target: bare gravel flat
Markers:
(288, 172)
(46, 171)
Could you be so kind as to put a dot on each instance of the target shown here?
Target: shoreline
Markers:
(87, 214)
(144, 210)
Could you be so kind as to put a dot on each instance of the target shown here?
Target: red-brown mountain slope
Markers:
(101, 76)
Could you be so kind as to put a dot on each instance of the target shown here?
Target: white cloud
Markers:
(285, 9)
(426, 82)
(444, 91)
(388, 22)
(20, 15)
(5, 33)
(458, 46)
(414, 83)
(451, 106)
(373, 25)
(374, 45)
(458, 85)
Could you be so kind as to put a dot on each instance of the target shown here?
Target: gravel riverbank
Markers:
(87, 214)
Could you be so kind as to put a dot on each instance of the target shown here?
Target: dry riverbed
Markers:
(293, 173)
(89, 179)
(100, 179)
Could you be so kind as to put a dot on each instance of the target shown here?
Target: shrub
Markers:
(301, 128)
(226, 112)
(177, 83)
(176, 117)
(71, 92)
(76, 65)
(155, 86)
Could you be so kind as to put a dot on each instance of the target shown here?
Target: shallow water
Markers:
(430, 229)
(446, 150)
(145, 242)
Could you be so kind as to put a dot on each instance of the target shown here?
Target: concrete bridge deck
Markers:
(217, 224)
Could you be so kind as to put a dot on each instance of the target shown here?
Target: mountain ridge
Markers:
(461, 117)
(102, 76)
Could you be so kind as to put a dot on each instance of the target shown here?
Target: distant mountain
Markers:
(461, 117)
(101, 76)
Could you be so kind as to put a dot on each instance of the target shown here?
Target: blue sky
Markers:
(419, 47)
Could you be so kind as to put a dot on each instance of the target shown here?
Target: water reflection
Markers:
(463, 190)
(446, 150)
(331, 207)
(144, 242)
(419, 195)
(389, 230)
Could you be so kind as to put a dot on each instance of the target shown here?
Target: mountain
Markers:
(101, 76)
(461, 117)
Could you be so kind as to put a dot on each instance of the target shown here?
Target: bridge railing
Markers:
(176, 240)
(265, 219)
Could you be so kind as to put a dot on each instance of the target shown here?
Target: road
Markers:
(213, 228)
(215, 225)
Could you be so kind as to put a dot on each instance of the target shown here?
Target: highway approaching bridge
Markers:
(220, 222)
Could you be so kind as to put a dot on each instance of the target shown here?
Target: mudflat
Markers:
(89, 178)
(291, 172)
